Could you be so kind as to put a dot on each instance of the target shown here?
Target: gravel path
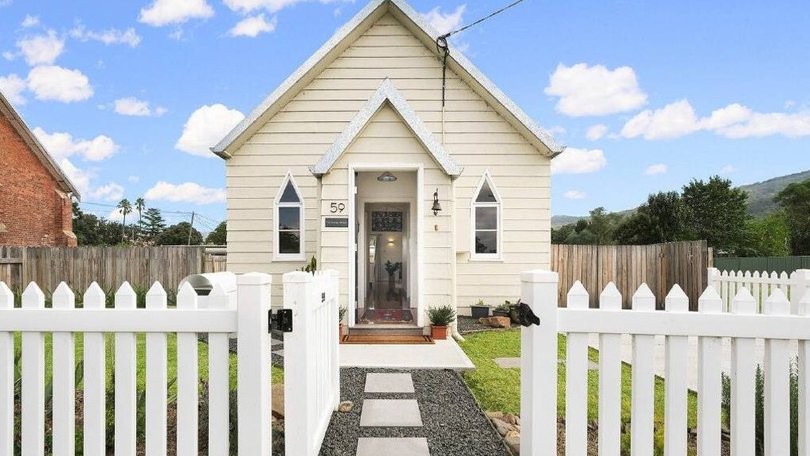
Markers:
(452, 421)
(469, 325)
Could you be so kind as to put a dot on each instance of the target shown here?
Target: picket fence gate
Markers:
(311, 365)
(248, 321)
(710, 324)
(761, 285)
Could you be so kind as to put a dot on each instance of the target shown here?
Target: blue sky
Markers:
(647, 95)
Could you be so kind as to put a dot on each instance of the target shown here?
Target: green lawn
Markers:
(498, 389)
(171, 342)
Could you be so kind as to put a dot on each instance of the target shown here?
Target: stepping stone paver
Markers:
(393, 447)
(390, 413)
(274, 342)
(389, 383)
(278, 352)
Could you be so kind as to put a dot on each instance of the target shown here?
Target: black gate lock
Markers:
(283, 320)
(525, 315)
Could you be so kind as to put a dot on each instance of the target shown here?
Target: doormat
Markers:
(372, 339)
(387, 316)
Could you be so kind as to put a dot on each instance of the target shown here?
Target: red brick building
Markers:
(35, 195)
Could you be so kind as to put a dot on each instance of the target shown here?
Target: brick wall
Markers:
(33, 210)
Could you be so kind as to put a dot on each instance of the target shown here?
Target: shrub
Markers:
(441, 316)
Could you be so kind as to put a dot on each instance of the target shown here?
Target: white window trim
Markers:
(499, 231)
(301, 256)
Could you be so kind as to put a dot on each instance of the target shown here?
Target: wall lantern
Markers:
(436, 206)
(387, 177)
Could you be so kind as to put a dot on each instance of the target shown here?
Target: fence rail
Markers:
(660, 266)
(760, 285)
(107, 266)
(248, 320)
(776, 326)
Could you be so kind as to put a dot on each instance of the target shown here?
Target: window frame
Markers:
(474, 204)
(277, 204)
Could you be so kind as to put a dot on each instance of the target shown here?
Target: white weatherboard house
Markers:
(347, 160)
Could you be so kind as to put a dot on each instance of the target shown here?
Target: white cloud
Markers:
(188, 192)
(575, 195)
(117, 215)
(109, 192)
(59, 84)
(247, 6)
(728, 169)
(110, 36)
(41, 49)
(579, 161)
(30, 21)
(8, 55)
(79, 178)
(134, 179)
(445, 22)
(595, 90)
(253, 26)
(165, 12)
(596, 132)
(131, 106)
(205, 127)
(654, 170)
(12, 87)
(63, 145)
(734, 121)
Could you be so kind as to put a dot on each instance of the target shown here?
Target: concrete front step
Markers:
(386, 330)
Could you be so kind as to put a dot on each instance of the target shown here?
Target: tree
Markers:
(219, 236)
(603, 224)
(661, 219)
(93, 230)
(153, 223)
(179, 235)
(140, 205)
(559, 235)
(795, 202)
(767, 236)
(125, 208)
(716, 212)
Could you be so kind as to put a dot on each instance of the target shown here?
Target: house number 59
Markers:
(337, 208)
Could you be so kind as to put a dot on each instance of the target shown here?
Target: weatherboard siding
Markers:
(477, 137)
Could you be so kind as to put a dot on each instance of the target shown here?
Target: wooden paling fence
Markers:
(660, 266)
(108, 266)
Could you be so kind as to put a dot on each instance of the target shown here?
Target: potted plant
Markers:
(440, 318)
(479, 310)
(502, 310)
(341, 316)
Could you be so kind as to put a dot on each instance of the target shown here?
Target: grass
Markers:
(498, 389)
(171, 343)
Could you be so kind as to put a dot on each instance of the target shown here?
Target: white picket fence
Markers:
(761, 285)
(311, 365)
(248, 321)
(743, 325)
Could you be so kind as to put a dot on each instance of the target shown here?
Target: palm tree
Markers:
(125, 209)
(140, 205)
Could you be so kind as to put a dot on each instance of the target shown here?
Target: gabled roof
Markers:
(387, 93)
(344, 37)
(37, 148)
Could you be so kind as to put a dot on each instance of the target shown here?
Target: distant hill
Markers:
(760, 198)
(761, 194)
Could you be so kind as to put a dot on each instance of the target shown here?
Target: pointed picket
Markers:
(125, 377)
(784, 283)
(156, 379)
(6, 377)
(33, 379)
(677, 385)
(576, 379)
(610, 378)
(709, 380)
(642, 414)
(187, 379)
(95, 433)
(743, 372)
(804, 383)
(777, 383)
(64, 369)
(756, 282)
(218, 378)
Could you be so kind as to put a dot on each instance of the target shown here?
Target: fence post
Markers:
(6, 378)
(799, 285)
(300, 296)
(334, 357)
(804, 384)
(538, 365)
(253, 357)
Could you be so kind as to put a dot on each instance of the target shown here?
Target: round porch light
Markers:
(387, 177)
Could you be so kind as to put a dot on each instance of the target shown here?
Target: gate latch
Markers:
(525, 315)
(282, 320)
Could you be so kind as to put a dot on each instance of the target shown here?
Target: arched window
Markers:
(486, 221)
(288, 217)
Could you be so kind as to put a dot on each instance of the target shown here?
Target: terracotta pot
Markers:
(438, 332)
(341, 332)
